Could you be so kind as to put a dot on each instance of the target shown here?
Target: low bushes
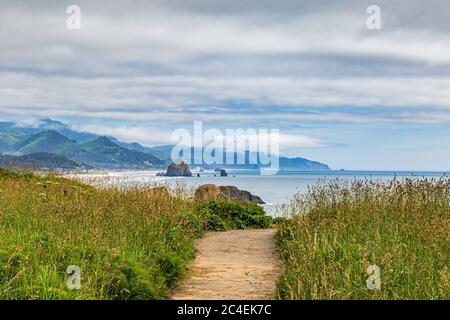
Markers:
(222, 215)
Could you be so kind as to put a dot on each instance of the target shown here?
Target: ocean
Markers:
(275, 190)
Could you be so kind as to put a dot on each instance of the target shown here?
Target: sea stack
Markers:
(222, 172)
(178, 170)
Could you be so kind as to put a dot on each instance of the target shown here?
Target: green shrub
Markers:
(214, 222)
(222, 215)
(194, 222)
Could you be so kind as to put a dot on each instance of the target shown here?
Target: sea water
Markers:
(274, 190)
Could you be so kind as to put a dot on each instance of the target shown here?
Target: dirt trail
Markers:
(241, 264)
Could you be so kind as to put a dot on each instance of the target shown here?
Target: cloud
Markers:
(182, 98)
(155, 136)
(186, 60)
(28, 122)
(165, 37)
(145, 135)
(255, 137)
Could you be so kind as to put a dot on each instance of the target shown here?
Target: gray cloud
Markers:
(160, 59)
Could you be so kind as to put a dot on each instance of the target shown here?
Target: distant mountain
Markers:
(47, 125)
(285, 163)
(47, 135)
(302, 164)
(162, 152)
(102, 153)
(132, 146)
(8, 140)
(40, 161)
(46, 141)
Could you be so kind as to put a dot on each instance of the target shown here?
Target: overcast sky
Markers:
(338, 92)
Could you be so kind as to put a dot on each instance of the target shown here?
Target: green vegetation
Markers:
(338, 230)
(222, 215)
(40, 161)
(103, 153)
(8, 140)
(50, 136)
(129, 244)
(100, 152)
(46, 141)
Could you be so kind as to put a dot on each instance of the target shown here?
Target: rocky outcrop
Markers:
(206, 192)
(236, 194)
(222, 172)
(178, 170)
(211, 191)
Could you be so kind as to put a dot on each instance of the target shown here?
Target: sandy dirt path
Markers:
(241, 264)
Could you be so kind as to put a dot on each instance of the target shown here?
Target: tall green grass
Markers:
(130, 243)
(338, 229)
